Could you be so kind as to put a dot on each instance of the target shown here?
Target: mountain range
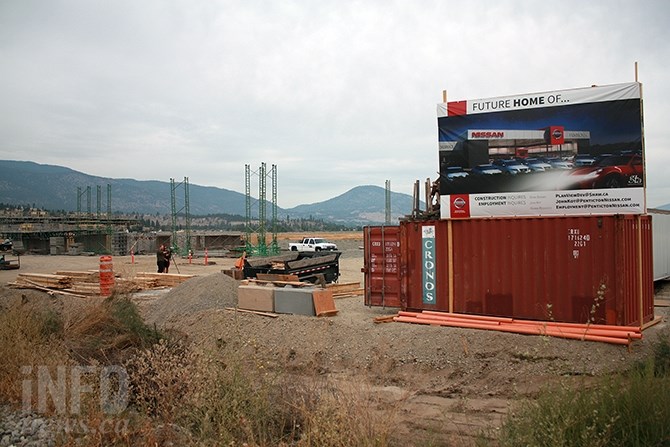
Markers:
(60, 188)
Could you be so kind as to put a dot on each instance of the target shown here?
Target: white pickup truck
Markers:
(312, 244)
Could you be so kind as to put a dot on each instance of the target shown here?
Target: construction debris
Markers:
(345, 290)
(256, 312)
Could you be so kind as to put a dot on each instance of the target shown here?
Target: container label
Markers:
(428, 263)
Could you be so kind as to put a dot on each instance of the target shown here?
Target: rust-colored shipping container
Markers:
(572, 269)
(382, 266)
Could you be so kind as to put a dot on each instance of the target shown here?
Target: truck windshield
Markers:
(319, 241)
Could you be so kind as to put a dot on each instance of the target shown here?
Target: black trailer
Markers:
(8, 262)
(307, 266)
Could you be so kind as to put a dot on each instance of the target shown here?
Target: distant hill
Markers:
(362, 204)
(55, 188)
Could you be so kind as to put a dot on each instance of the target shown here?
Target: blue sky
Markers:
(335, 93)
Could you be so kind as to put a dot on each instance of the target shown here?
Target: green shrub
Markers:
(629, 409)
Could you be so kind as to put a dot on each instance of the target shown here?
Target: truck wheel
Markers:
(294, 248)
(317, 249)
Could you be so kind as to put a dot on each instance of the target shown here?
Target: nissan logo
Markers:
(459, 202)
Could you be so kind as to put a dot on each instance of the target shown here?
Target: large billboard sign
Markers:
(568, 152)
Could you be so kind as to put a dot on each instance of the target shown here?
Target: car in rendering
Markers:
(511, 166)
(486, 169)
(583, 160)
(614, 171)
(537, 164)
(455, 172)
(559, 163)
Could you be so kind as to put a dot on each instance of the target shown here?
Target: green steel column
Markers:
(247, 197)
(274, 249)
(187, 213)
(262, 246)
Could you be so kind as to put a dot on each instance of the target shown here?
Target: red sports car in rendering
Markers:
(613, 171)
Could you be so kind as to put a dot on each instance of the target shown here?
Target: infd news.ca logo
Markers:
(66, 390)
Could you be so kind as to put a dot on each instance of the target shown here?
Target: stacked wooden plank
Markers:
(87, 283)
(141, 282)
(85, 288)
(44, 280)
(345, 290)
(164, 279)
(88, 276)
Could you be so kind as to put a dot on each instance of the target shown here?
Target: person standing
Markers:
(161, 260)
(168, 257)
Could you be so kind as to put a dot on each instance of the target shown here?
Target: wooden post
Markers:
(429, 203)
(640, 273)
(450, 254)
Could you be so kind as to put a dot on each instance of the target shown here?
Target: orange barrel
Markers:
(106, 275)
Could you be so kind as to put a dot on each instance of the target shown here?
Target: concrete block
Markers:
(289, 300)
(256, 298)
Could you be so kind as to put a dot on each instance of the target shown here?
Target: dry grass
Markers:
(105, 330)
(232, 400)
(179, 394)
(29, 336)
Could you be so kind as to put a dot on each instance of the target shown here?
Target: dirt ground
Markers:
(436, 385)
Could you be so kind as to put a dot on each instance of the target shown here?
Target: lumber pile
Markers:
(162, 279)
(88, 276)
(44, 280)
(345, 290)
(87, 283)
(622, 335)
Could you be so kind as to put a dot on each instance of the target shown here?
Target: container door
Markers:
(382, 266)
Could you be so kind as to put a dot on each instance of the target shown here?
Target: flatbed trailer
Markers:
(307, 266)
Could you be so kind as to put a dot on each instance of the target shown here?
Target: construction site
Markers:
(99, 230)
(436, 331)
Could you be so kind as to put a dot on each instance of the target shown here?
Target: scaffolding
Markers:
(259, 230)
(91, 223)
(175, 213)
(88, 201)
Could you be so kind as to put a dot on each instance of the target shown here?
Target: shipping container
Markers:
(573, 269)
(382, 266)
(660, 228)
